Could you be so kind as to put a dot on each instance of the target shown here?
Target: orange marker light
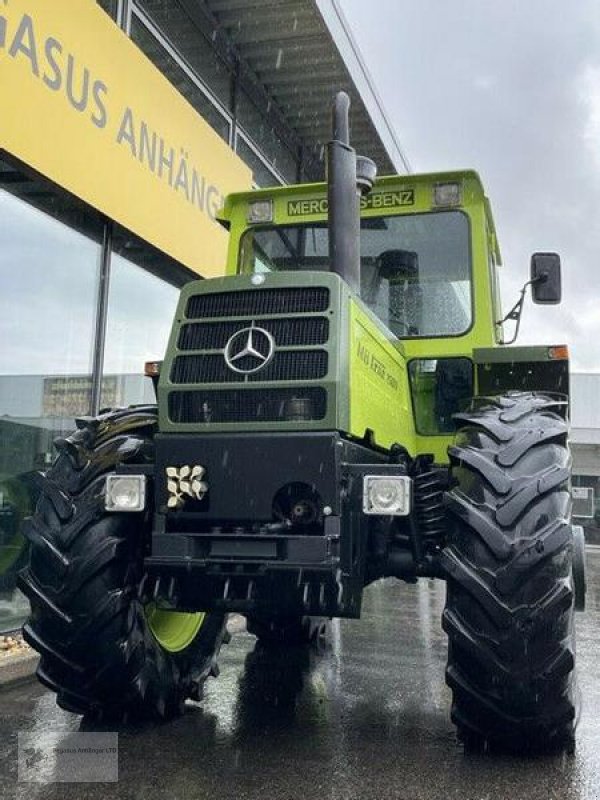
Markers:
(152, 368)
(558, 351)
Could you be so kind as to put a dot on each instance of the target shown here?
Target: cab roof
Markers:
(472, 193)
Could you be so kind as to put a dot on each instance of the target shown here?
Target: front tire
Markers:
(509, 608)
(104, 650)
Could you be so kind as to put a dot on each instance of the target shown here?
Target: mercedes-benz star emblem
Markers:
(256, 345)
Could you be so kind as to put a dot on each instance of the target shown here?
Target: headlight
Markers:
(447, 194)
(125, 493)
(260, 211)
(386, 495)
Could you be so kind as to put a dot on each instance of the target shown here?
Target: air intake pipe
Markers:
(348, 176)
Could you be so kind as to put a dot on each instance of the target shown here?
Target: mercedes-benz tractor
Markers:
(338, 408)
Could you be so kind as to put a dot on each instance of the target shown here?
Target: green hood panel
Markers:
(297, 389)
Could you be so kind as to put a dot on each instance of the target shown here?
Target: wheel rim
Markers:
(173, 630)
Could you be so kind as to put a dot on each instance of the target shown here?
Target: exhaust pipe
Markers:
(345, 184)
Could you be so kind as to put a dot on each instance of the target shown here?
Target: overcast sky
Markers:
(511, 89)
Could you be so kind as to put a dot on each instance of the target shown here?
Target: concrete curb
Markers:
(18, 669)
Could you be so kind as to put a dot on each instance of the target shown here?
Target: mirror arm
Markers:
(514, 315)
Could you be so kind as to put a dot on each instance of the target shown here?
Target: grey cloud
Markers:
(505, 88)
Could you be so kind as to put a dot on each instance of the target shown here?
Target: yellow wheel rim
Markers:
(173, 630)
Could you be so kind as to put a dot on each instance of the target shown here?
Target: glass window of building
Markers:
(262, 176)
(201, 65)
(180, 79)
(141, 307)
(191, 43)
(256, 122)
(110, 6)
(49, 268)
(586, 505)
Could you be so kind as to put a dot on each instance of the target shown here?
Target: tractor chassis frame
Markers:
(214, 555)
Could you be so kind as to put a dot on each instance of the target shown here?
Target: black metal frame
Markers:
(228, 552)
(526, 369)
(241, 77)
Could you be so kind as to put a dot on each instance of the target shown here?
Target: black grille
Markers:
(305, 300)
(299, 365)
(294, 332)
(203, 369)
(249, 405)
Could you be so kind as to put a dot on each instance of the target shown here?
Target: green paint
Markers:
(332, 382)
(366, 382)
(311, 206)
(510, 355)
(379, 397)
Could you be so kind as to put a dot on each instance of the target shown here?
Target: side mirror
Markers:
(545, 278)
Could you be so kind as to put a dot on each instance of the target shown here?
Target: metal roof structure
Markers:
(301, 52)
(294, 55)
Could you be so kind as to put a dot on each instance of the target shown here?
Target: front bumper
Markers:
(228, 552)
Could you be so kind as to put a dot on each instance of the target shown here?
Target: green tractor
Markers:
(335, 410)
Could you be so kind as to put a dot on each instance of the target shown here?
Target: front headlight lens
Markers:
(125, 493)
(260, 211)
(446, 194)
(386, 495)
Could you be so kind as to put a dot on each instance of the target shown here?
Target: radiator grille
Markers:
(286, 365)
(297, 320)
(247, 405)
(293, 332)
(304, 300)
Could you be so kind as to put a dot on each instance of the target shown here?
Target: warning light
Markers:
(558, 352)
(260, 211)
(152, 368)
(447, 194)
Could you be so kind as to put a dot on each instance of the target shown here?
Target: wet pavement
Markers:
(369, 718)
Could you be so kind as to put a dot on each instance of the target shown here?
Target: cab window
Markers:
(440, 387)
(415, 268)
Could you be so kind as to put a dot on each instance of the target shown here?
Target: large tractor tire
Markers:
(105, 649)
(290, 630)
(508, 561)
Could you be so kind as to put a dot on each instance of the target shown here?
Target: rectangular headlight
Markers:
(260, 211)
(125, 493)
(386, 495)
(447, 194)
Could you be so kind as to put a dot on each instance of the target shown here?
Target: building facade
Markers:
(124, 123)
(585, 449)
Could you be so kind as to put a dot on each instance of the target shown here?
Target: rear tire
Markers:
(509, 608)
(84, 581)
(290, 630)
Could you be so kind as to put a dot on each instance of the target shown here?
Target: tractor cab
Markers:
(426, 248)
(428, 275)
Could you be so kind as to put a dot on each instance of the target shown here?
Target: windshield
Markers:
(415, 269)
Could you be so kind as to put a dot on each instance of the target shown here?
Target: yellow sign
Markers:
(82, 105)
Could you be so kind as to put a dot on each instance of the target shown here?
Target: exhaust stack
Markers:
(344, 187)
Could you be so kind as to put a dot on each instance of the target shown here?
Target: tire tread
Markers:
(509, 609)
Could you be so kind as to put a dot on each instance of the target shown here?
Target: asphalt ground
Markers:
(368, 718)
